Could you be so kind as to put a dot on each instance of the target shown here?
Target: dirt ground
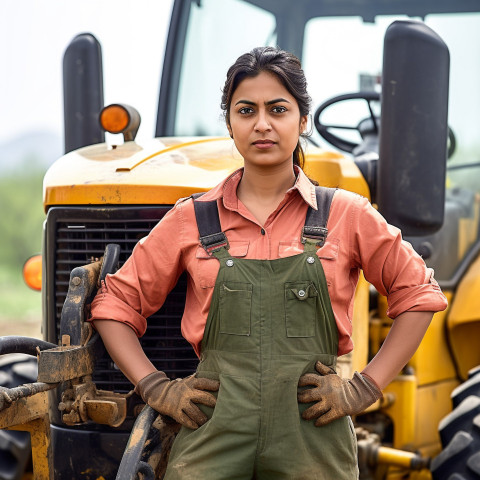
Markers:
(30, 327)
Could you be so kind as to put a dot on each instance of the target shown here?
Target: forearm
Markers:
(124, 347)
(401, 343)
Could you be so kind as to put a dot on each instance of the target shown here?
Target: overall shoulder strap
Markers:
(315, 227)
(208, 223)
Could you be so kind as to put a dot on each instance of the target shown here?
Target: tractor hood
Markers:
(163, 170)
(158, 172)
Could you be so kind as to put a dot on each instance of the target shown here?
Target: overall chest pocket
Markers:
(235, 308)
(300, 308)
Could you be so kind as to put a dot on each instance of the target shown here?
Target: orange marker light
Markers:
(114, 118)
(32, 272)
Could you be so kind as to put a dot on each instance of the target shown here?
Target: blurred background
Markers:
(33, 38)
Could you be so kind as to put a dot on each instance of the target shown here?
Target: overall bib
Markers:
(269, 322)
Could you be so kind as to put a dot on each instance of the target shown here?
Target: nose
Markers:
(262, 124)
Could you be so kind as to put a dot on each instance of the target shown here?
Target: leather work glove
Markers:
(177, 398)
(335, 397)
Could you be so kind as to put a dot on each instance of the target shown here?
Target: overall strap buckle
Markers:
(214, 242)
(317, 234)
(212, 238)
(315, 228)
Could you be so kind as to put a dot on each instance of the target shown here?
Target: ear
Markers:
(230, 131)
(303, 123)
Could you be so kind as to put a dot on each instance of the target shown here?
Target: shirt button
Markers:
(229, 263)
(262, 231)
(310, 260)
(301, 293)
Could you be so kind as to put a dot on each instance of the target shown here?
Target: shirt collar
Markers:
(227, 190)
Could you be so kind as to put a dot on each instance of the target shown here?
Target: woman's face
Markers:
(265, 121)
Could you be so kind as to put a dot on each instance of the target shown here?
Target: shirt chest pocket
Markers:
(207, 267)
(328, 255)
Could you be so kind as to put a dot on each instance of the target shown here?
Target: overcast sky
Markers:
(34, 35)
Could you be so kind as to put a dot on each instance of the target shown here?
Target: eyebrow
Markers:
(270, 102)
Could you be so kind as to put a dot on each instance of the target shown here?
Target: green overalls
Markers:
(269, 322)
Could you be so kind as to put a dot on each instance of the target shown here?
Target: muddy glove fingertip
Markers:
(323, 369)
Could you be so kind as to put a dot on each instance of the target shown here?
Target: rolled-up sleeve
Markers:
(392, 265)
(139, 288)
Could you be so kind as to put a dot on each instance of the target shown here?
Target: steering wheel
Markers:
(335, 140)
(370, 123)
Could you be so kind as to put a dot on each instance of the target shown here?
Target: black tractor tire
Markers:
(460, 434)
(15, 453)
(471, 387)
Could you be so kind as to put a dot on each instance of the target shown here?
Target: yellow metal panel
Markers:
(403, 411)
(434, 346)
(463, 321)
(158, 172)
(30, 414)
(24, 410)
(193, 143)
(360, 325)
(165, 169)
(334, 170)
(42, 455)
(432, 362)
(394, 473)
(433, 403)
(422, 475)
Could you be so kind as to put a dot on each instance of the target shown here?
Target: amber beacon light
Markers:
(120, 118)
(32, 272)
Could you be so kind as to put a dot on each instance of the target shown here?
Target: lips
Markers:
(266, 143)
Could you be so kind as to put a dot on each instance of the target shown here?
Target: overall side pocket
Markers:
(235, 308)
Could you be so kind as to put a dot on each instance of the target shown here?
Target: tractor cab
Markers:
(394, 90)
(345, 80)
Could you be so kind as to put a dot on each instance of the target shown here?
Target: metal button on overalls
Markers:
(269, 322)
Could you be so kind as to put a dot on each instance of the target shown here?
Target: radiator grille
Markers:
(81, 235)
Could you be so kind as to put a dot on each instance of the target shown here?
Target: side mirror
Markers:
(414, 129)
(82, 92)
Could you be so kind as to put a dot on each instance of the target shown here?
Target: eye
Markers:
(279, 109)
(245, 110)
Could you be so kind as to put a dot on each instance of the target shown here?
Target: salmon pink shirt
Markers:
(359, 238)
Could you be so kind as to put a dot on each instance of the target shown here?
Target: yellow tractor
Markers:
(386, 87)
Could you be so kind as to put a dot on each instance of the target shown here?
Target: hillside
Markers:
(36, 149)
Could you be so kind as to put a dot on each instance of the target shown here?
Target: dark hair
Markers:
(285, 66)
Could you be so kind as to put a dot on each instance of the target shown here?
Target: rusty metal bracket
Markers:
(70, 365)
(66, 363)
(9, 396)
(83, 402)
(84, 281)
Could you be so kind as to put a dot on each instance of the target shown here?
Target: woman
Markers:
(269, 300)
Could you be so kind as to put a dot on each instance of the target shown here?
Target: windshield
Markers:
(343, 66)
(340, 54)
(206, 60)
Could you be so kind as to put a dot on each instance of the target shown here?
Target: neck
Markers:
(265, 184)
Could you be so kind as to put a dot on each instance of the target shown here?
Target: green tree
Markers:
(21, 216)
